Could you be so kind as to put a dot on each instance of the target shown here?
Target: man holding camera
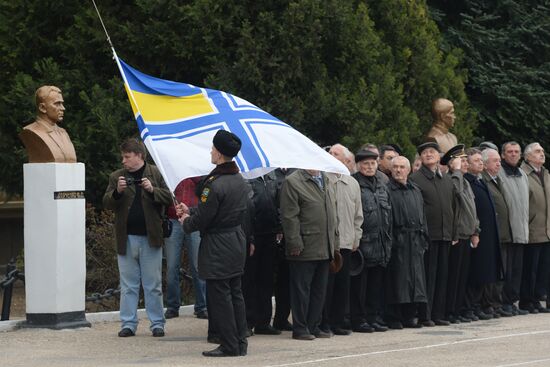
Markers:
(137, 194)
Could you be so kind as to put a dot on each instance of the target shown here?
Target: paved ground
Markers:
(517, 341)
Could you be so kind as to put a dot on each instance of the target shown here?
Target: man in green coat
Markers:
(308, 215)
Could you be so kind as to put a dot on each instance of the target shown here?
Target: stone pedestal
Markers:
(55, 249)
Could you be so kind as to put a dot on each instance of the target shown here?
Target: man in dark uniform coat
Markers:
(219, 217)
(406, 280)
(486, 262)
(437, 192)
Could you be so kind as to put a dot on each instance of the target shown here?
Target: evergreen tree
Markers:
(331, 69)
(507, 49)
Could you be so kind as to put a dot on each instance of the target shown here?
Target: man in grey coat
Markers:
(536, 256)
(515, 189)
(309, 224)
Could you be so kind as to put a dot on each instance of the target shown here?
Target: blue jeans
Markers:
(172, 247)
(141, 263)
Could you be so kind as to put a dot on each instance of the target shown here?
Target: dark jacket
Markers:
(406, 278)
(308, 216)
(501, 207)
(486, 261)
(152, 204)
(219, 218)
(437, 192)
(265, 217)
(376, 240)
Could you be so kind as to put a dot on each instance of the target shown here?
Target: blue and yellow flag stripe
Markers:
(163, 100)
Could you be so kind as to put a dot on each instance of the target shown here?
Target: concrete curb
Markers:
(95, 317)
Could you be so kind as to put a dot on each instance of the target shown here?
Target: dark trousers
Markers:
(367, 295)
(258, 281)
(401, 312)
(531, 257)
(479, 297)
(459, 265)
(436, 262)
(543, 273)
(282, 291)
(226, 313)
(512, 257)
(308, 286)
(337, 298)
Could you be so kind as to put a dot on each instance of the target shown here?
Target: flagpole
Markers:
(115, 57)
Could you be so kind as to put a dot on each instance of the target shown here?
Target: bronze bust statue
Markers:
(44, 140)
(443, 114)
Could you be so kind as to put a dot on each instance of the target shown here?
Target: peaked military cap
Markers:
(455, 152)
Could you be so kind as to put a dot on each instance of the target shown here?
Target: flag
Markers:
(177, 122)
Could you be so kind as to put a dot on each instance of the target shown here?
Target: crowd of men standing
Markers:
(465, 236)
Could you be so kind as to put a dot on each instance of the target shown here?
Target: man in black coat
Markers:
(437, 192)
(486, 262)
(258, 271)
(219, 217)
(367, 288)
(406, 280)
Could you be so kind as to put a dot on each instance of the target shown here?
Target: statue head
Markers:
(443, 112)
(49, 104)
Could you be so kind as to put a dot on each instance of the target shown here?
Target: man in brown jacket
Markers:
(137, 194)
(536, 256)
(308, 215)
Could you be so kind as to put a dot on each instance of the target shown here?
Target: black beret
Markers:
(430, 144)
(455, 152)
(227, 143)
(365, 154)
(396, 148)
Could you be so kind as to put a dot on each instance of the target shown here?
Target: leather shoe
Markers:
(541, 309)
(502, 312)
(411, 324)
(323, 334)
(427, 323)
(171, 313)
(126, 332)
(158, 332)
(363, 328)
(283, 326)
(340, 331)
(519, 311)
(203, 314)
(377, 327)
(395, 325)
(441, 322)
(303, 336)
(453, 319)
(464, 319)
(249, 332)
(483, 316)
(266, 330)
(218, 352)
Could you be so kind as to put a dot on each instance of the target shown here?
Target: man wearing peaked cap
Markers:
(219, 217)
(437, 192)
(365, 154)
(429, 144)
(455, 152)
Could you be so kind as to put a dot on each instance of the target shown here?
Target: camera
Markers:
(132, 181)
